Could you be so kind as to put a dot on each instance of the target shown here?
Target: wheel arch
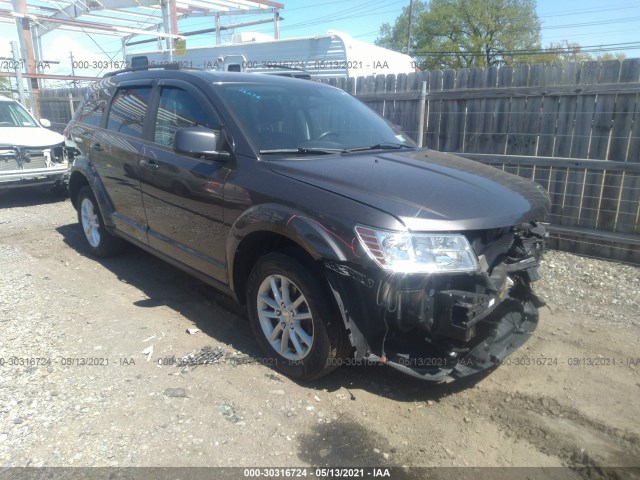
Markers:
(83, 173)
(269, 228)
(76, 182)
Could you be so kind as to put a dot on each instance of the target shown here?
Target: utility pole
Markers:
(26, 47)
(18, 68)
(409, 27)
(73, 70)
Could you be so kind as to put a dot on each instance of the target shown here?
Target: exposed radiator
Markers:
(9, 162)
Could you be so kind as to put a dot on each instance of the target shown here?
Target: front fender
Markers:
(331, 240)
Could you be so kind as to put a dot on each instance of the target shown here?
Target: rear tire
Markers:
(98, 240)
(295, 322)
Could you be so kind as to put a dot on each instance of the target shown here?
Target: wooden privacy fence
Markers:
(58, 104)
(574, 128)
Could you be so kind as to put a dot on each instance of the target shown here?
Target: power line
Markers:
(361, 9)
(573, 13)
(542, 51)
(343, 14)
(348, 13)
(591, 34)
(373, 32)
(316, 6)
(591, 24)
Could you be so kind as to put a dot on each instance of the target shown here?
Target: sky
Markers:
(588, 22)
(614, 24)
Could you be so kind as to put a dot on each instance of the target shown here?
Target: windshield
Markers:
(14, 115)
(306, 118)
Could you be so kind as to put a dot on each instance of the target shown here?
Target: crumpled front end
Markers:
(442, 327)
(25, 166)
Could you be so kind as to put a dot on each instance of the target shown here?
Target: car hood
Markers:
(29, 137)
(425, 189)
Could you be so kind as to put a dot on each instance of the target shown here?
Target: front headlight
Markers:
(404, 252)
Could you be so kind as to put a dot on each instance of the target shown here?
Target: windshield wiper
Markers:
(381, 146)
(329, 151)
(305, 151)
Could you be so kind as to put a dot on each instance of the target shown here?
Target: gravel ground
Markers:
(609, 292)
(568, 398)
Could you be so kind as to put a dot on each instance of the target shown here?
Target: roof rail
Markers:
(142, 63)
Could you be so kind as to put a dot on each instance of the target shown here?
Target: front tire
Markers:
(98, 240)
(293, 319)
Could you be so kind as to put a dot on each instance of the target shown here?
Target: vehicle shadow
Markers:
(29, 196)
(389, 383)
(221, 318)
(215, 314)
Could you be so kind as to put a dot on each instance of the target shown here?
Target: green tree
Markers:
(395, 37)
(566, 51)
(5, 87)
(466, 33)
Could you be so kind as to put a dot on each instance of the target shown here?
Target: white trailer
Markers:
(335, 54)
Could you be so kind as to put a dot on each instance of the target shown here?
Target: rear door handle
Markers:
(148, 163)
(97, 147)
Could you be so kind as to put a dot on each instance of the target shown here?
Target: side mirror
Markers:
(199, 142)
(45, 123)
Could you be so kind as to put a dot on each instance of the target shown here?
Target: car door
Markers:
(114, 152)
(182, 194)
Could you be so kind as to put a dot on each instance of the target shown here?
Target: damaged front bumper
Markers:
(508, 333)
(21, 166)
(443, 327)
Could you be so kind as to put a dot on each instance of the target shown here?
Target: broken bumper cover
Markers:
(25, 166)
(443, 327)
(40, 176)
(509, 334)
(471, 333)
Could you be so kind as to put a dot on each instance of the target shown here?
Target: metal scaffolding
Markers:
(128, 19)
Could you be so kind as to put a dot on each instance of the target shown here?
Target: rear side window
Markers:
(91, 110)
(128, 110)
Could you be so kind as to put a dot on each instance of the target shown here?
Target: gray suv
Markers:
(346, 242)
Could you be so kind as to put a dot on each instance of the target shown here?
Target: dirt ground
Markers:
(569, 397)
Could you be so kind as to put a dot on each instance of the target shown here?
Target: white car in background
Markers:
(30, 154)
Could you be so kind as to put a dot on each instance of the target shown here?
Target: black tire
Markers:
(329, 342)
(98, 240)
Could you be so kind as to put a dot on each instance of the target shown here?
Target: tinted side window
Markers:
(91, 110)
(128, 110)
(179, 109)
